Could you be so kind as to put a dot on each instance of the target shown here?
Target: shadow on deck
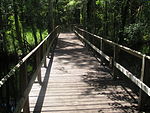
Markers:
(77, 83)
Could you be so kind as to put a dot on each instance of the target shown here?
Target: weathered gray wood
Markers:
(93, 47)
(13, 70)
(38, 60)
(26, 108)
(144, 98)
(101, 48)
(23, 101)
(142, 85)
(128, 50)
(133, 78)
(76, 83)
(115, 59)
(44, 50)
(23, 85)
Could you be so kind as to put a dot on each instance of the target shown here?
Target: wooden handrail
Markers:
(38, 54)
(128, 50)
(12, 71)
(142, 82)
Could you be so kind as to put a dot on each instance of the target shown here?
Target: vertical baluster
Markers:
(102, 50)
(144, 99)
(38, 59)
(115, 60)
(44, 52)
(23, 85)
(47, 44)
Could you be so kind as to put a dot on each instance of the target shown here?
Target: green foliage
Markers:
(29, 37)
(67, 11)
(44, 33)
(133, 33)
(145, 49)
(111, 16)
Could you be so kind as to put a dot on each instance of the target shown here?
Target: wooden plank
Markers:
(23, 85)
(115, 59)
(23, 99)
(138, 82)
(94, 47)
(13, 70)
(144, 99)
(44, 50)
(82, 86)
(133, 78)
(26, 108)
(38, 60)
(128, 50)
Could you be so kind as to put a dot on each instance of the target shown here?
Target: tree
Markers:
(91, 15)
(50, 16)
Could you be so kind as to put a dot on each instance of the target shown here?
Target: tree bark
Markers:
(18, 32)
(41, 38)
(50, 16)
(84, 15)
(91, 15)
(34, 33)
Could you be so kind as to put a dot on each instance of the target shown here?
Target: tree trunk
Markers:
(84, 15)
(41, 38)
(77, 16)
(18, 32)
(12, 35)
(91, 15)
(124, 13)
(106, 20)
(34, 33)
(2, 33)
(50, 16)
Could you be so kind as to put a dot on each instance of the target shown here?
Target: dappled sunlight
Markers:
(79, 83)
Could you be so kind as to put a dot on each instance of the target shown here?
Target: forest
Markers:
(25, 23)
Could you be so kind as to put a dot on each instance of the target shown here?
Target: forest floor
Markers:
(75, 82)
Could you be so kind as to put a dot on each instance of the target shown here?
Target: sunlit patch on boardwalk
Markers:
(78, 83)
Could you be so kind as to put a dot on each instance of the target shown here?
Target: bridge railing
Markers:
(123, 61)
(16, 85)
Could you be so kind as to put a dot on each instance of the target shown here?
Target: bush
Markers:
(133, 33)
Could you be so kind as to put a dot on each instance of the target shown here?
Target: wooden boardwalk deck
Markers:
(77, 83)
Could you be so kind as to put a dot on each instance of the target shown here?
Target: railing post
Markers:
(38, 59)
(44, 52)
(115, 59)
(23, 85)
(144, 99)
(26, 108)
(102, 49)
(47, 44)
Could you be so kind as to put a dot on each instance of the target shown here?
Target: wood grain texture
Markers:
(77, 83)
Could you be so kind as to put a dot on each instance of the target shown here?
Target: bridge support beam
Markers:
(144, 99)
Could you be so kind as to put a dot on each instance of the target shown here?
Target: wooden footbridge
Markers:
(77, 73)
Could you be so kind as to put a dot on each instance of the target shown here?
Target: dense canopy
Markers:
(24, 23)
